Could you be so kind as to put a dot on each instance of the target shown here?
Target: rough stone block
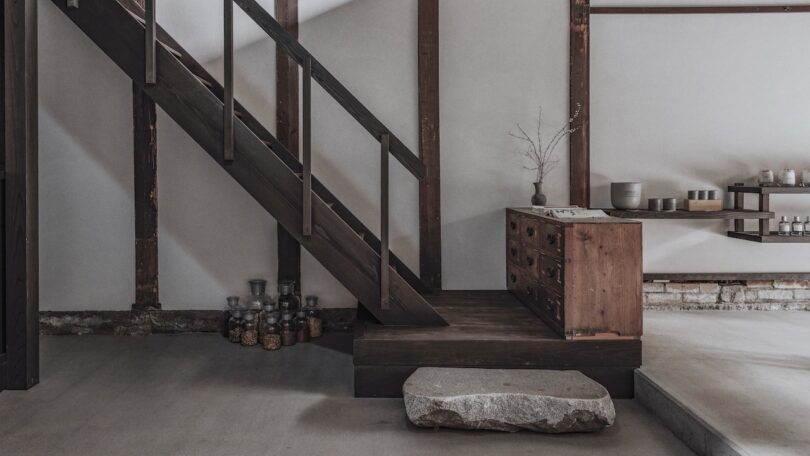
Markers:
(759, 283)
(507, 400)
(709, 288)
(801, 295)
(653, 287)
(700, 298)
(775, 295)
(683, 288)
(732, 293)
(663, 298)
(791, 284)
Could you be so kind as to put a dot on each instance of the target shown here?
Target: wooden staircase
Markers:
(261, 165)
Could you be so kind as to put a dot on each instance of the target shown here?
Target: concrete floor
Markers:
(745, 373)
(198, 394)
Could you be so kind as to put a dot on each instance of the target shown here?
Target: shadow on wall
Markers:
(213, 235)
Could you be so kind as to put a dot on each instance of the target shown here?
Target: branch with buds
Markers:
(542, 158)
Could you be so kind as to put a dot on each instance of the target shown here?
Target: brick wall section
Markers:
(742, 295)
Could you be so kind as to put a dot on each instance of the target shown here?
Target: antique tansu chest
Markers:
(583, 277)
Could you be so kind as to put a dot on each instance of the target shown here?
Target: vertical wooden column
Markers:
(579, 98)
(146, 201)
(430, 222)
(21, 294)
(144, 124)
(289, 251)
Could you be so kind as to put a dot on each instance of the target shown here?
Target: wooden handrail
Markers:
(332, 86)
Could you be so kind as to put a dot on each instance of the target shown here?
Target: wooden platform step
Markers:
(487, 329)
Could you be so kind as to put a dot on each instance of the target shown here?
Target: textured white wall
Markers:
(701, 101)
(678, 103)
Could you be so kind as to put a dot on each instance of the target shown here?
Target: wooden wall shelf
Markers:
(771, 238)
(768, 190)
(764, 234)
(729, 214)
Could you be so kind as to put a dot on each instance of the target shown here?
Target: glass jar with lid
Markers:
(250, 333)
(287, 301)
(233, 305)
(257, 298)
(287, 329)
(235, 327)
(301, 327)
(314, 317)
(268, 310)
(271, 333)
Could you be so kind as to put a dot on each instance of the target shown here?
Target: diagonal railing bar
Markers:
(332, 86)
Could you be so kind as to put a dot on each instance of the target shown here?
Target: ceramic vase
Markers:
(538, 199)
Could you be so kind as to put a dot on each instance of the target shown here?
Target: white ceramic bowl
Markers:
(625, 195)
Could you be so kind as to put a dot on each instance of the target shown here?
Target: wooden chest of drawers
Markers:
(583, 277)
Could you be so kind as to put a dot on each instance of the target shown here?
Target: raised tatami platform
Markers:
(486, 329)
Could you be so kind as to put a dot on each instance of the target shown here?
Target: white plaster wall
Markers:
(731, 101)
(701, 101)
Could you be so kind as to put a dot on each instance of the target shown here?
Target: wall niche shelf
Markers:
(764, 235)
(680, 214)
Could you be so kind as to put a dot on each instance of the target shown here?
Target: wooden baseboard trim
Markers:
(137, 323)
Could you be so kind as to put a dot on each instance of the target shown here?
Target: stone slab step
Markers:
(507, 400)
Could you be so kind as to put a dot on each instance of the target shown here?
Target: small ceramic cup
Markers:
(703, 194)
(692, 194)
(655, 204)
(670, 204)
(714, 195)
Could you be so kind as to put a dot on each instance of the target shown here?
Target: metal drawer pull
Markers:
(513, 225)
(530, 231)
(530, 260)
(552, 239)
(514, 251)
(513, 278)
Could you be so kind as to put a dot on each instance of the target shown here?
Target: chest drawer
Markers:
(512, 226)
(513, 252)
(552, 273)
(530, 232)
(514, 277)
(551, 240)
(532, 263)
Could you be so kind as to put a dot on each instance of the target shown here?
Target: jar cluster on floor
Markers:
(259, 320)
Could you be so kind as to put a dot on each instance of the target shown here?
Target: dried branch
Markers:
(541, 157)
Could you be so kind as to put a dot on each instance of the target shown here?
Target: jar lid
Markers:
(237, 313)
(301, 314)
(286, 316)
(250, 316)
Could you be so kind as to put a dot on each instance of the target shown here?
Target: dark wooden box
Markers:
(583, 277)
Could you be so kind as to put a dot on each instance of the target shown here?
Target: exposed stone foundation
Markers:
(728, 295)
(123, 323)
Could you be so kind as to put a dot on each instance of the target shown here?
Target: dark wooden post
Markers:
(579, 98)
(289, 251)
(21, 294)
(144, 123)
(146, 201)
(430, 220)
